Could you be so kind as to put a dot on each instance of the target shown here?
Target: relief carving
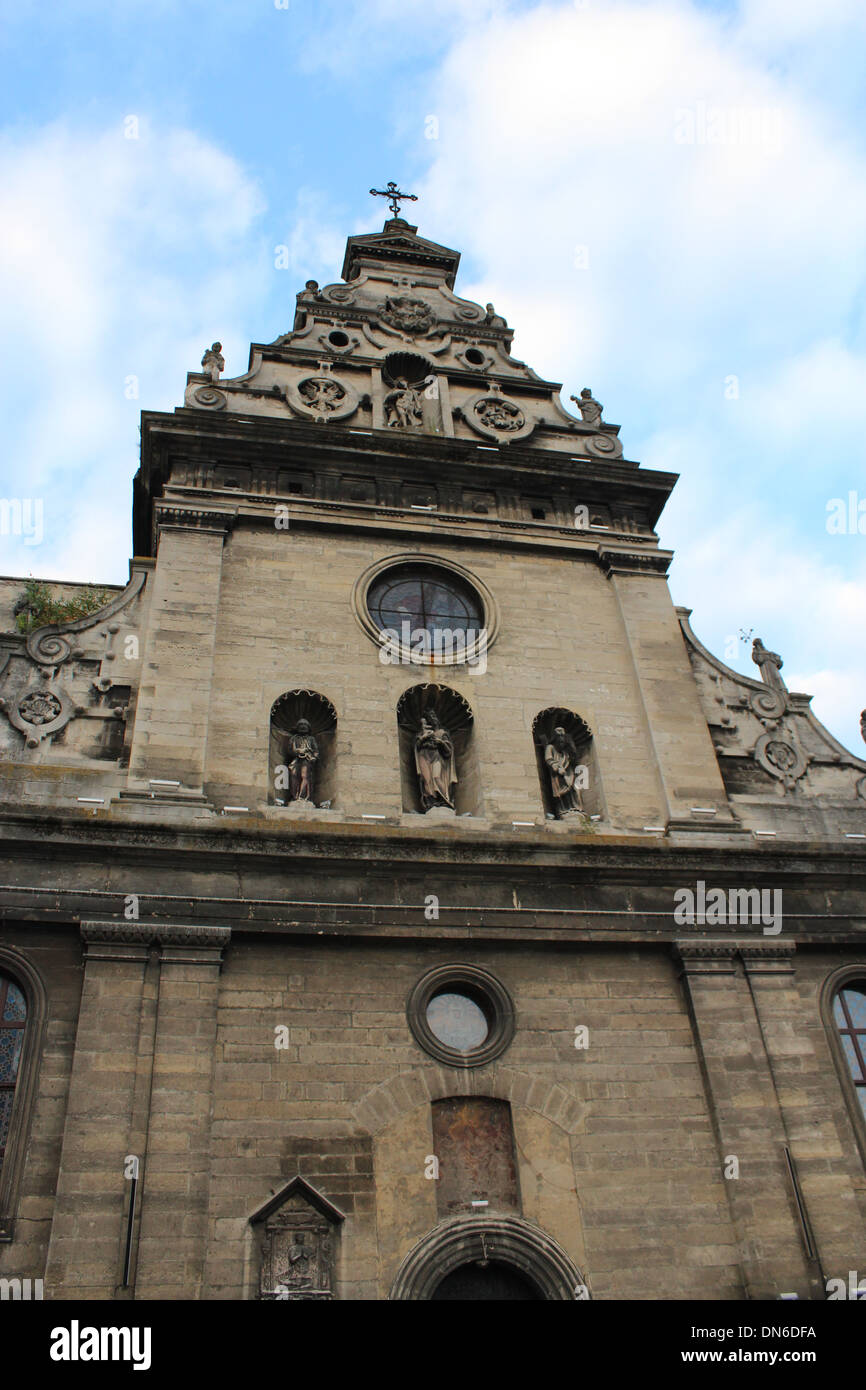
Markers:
(407, 315)
(500, 415)
(403, 408)
(298, 1245)
(322, 393)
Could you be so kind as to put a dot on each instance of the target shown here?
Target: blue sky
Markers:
(666, 198)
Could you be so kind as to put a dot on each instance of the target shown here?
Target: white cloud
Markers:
(736, 255)
(89, 221)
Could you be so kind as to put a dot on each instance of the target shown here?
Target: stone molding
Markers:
(478, 1239)
(178, 944)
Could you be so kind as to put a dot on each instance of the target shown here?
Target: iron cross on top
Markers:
(395, 195)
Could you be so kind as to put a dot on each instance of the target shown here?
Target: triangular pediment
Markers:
(299, 1188)
(398, 242)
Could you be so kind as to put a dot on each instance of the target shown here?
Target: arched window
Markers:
(13, 1018)
(849, 1016)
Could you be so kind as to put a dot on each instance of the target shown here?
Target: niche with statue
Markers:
(302, 758)
(567, 766)
(438, 763)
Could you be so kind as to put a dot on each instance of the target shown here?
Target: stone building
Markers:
(398, 901)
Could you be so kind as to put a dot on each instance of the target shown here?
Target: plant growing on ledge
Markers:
(38, 608)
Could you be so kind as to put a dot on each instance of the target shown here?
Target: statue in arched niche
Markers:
(302, 755)
(434, 763)
(561, 761)
(403, 407)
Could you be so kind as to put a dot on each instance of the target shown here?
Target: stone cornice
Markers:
(178, 943)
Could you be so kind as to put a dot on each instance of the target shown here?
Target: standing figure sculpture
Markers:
(560, 759)
(403, 407)
(769, 664)
(302, 752)
(213, 361)
(589, 407)
(863, 725)
(434, 763)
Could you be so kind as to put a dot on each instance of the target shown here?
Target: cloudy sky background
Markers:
(666, 198)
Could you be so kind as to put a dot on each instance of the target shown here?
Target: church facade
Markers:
(398, 901)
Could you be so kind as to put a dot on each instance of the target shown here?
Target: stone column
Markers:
(176, 1176)
(747, 1118)
(84, 1255)
(169, 738)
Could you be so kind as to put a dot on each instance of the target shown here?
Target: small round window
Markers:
(457, 1021)
(461, 1015)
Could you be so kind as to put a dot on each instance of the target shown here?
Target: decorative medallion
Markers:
(500, 415)
(496, 417)
(39, 707)
(780, 757)
(39, 713)
(210, 397)
(322, 397)
(322, 393)
(407, 315)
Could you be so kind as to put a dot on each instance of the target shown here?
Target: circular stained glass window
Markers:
(426, 598)
(457, 1021)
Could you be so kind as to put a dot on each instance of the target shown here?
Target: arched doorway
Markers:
(476, 1282)
(488, 1257)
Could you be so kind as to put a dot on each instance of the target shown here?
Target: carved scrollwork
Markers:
(604, 446)
(210, 398)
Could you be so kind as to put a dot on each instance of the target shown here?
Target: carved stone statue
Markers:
(495, 320)
(589, 407)
(434, 763)
(213, 361)
(403, 407)
(560, 759)
(863, 725)
(302, 754)
(769, 664)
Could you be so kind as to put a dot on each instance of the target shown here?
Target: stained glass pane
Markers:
(427, 598)
(855, 998)
(838, 1013)
(11, 1040)
(15, 1009)
(851, 1057)
(6, 1098)
(457, 1021)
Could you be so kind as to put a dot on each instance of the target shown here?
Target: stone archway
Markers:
(504, 1242)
